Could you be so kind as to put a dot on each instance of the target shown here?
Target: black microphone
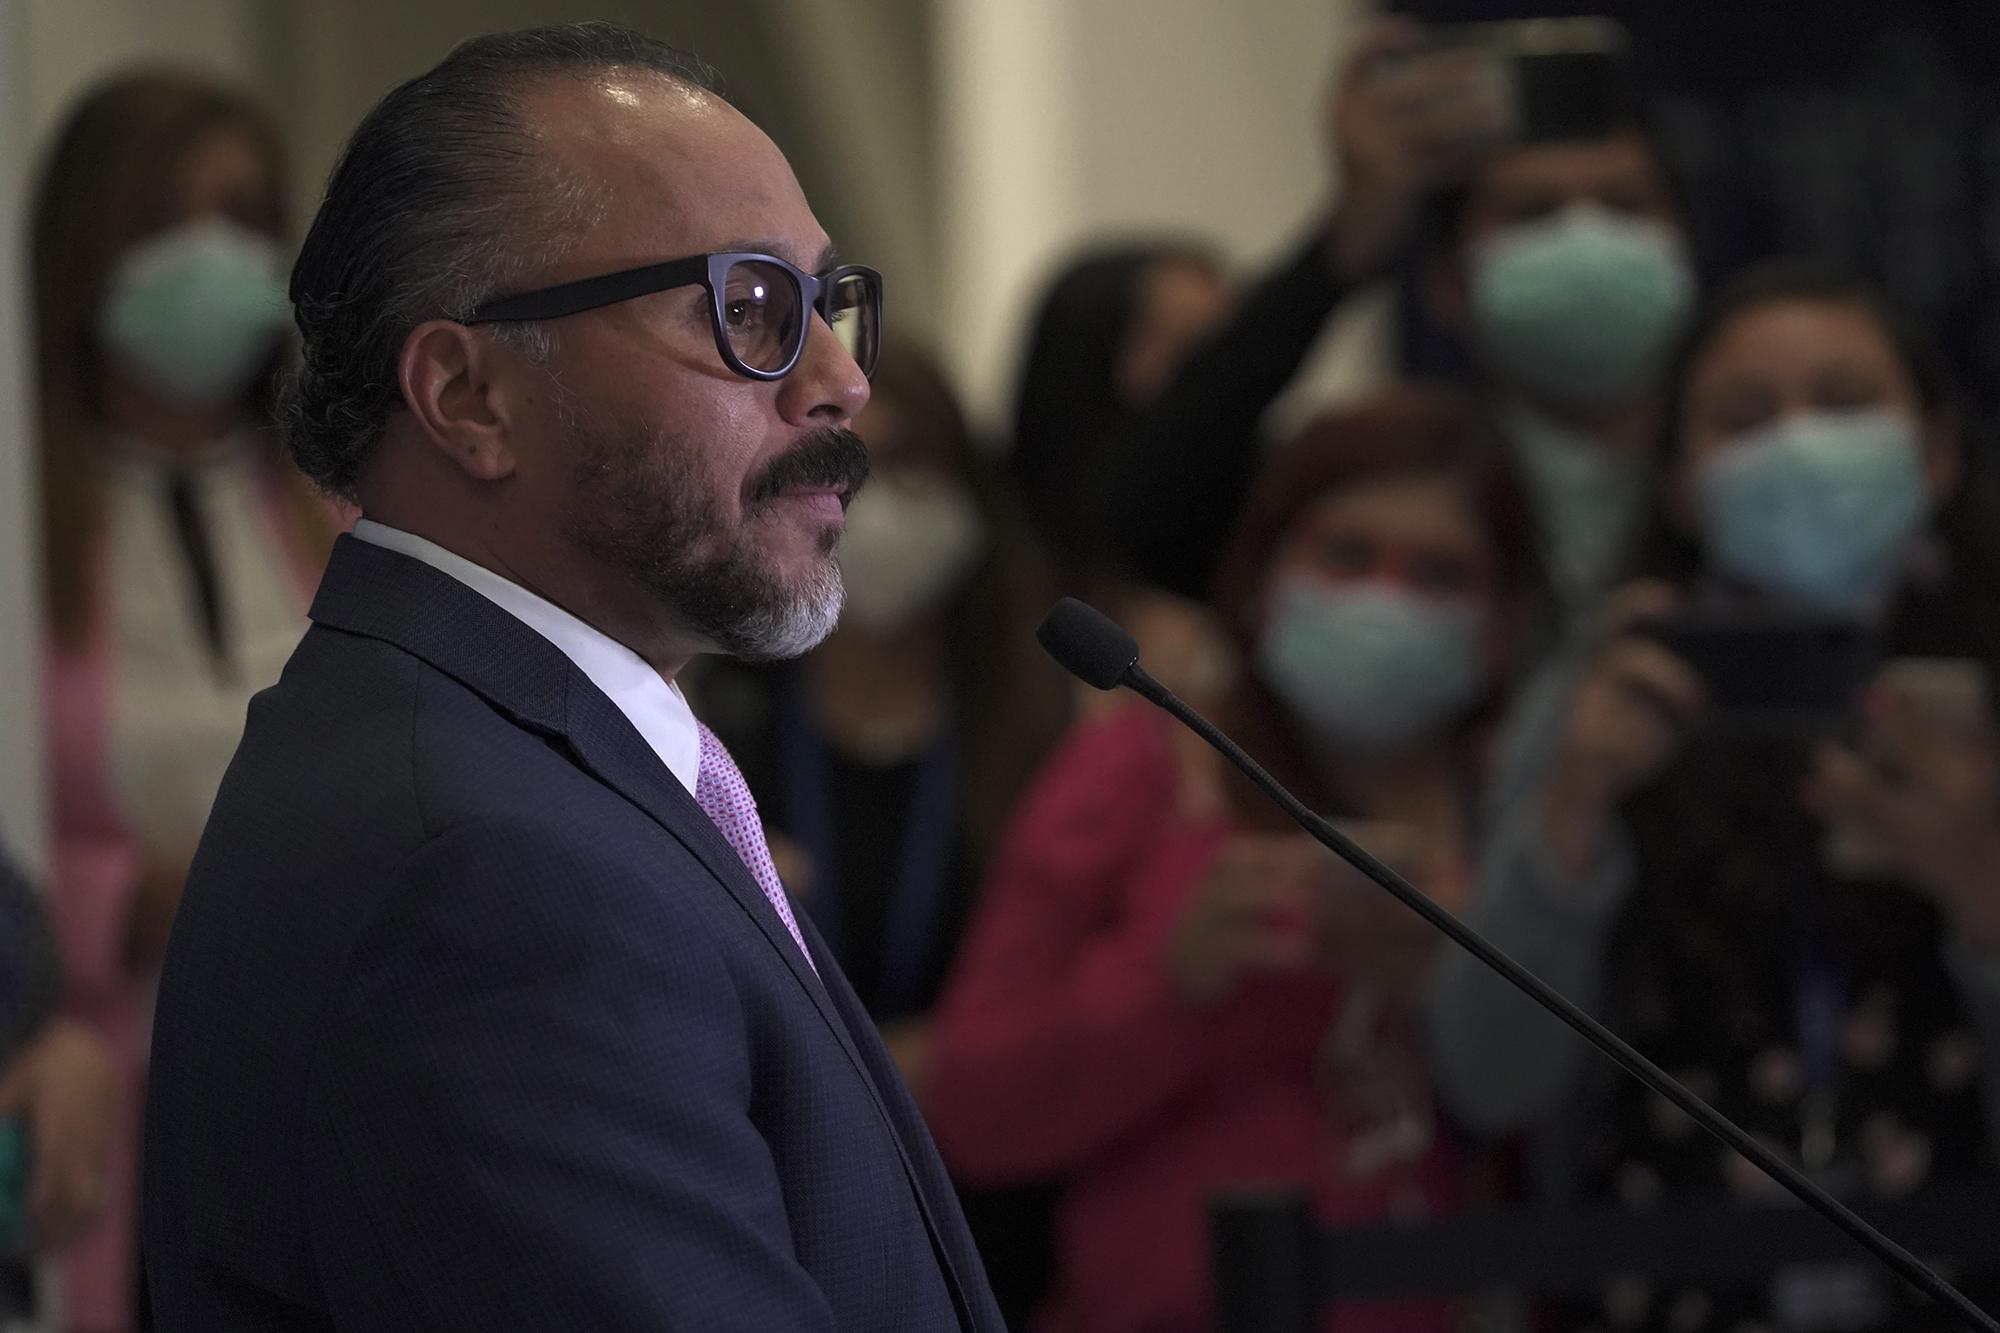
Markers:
(1091, 647)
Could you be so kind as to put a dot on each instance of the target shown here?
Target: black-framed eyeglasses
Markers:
(759, 306)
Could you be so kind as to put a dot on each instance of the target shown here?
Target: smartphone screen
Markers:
(1564, 78)
(1573, 95)
(1778, 671)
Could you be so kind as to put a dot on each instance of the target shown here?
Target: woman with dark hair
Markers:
(1114, 328)
(1167, 990)
(1798, 915)
(178, 551)
(1558, 261)
(1137, 341)
(1137, 421)
(1137, 418)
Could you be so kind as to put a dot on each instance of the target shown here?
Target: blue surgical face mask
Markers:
(1367, 663)
(1818, 507)
(1587, 501)
(1579, 309)
(197, 310)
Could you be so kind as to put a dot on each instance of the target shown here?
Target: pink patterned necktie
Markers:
(725, 798)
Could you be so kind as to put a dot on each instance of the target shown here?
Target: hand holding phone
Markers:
(1255, 910)
(1943, 697)
(1416, 110)
(1370, 937)
(1628, 712)
(1405, 119)
(1918, 797)
(62, 1094)
(1563, 78)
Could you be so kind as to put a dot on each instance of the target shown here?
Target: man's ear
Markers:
(446, 373)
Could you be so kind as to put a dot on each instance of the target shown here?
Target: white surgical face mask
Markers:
(1369, 664)
(907, 546)
(197, 310)
(1819, 507)
(1581, 308)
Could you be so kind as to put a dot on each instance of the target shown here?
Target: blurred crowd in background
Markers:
(1646, 619)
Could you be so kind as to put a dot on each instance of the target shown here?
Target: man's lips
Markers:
(826, 502)
(823, 469)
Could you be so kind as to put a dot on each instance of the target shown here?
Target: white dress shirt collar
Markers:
(655, 707)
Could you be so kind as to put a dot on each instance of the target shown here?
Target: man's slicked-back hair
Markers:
(442, 197)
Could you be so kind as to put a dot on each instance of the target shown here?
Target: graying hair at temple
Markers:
(441, 198)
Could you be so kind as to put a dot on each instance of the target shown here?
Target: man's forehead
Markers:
(680, 169)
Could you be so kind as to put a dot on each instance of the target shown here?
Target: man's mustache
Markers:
(829, 459)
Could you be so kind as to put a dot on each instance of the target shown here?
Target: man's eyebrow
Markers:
(784, 250)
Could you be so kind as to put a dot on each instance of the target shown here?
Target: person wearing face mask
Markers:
(1168, 990)
(177, 550)
(1566, 273)
(1696, 880)
(1561, 263)
(890, 754)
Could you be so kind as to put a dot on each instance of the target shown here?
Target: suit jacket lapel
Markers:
(386, 595)
(605, 743)
(849, 1006)
(383, 594)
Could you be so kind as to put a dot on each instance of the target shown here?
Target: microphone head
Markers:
(1088, 644)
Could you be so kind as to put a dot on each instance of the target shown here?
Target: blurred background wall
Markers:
(1060, 119)
(20, 698)
(961, 146)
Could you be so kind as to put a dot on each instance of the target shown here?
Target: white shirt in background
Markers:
(174, 715)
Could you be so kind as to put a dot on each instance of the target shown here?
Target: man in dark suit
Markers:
(484, 1008)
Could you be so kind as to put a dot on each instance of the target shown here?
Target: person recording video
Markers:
(1168, 990)
(1548, 235)
(1758, 828)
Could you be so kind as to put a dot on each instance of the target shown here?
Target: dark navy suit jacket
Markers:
(471, 1020)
